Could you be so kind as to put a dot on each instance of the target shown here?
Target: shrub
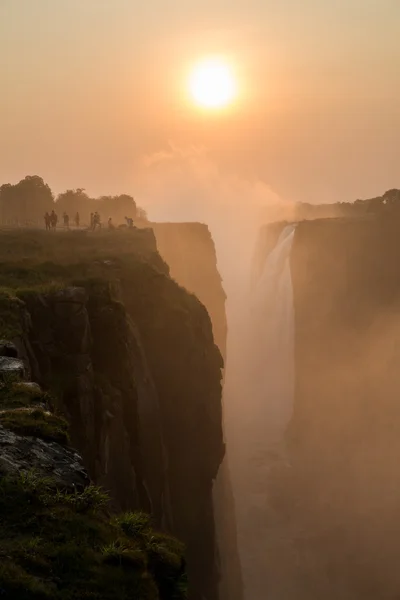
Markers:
(121, 554)
(134, 524)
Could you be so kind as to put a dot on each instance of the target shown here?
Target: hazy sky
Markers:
(92, 89)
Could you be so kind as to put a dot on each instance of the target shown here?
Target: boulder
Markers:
(11, 366)
(47, 459)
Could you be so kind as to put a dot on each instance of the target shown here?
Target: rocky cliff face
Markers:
(57, 537)
(189, 250)
(131, 357)
(336, 500)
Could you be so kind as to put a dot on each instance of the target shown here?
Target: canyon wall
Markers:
(334, 500)
(131, 357)
(189, 250)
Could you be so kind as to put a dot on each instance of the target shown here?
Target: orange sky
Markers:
(90, 88)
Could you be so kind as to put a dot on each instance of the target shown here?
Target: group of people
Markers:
(51, 220)
(95, 221)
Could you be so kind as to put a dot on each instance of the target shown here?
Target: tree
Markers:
(118, 207)
(27, 201)
(73, 201)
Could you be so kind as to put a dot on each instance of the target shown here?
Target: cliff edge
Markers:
(131, 358)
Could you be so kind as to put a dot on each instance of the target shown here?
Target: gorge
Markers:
(285, 487)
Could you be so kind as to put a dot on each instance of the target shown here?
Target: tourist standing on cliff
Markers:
(47, 221)
(96, 221)
(53, 219)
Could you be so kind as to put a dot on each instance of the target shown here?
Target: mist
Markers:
(184, 184)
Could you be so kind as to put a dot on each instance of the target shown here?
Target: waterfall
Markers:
(260, 389)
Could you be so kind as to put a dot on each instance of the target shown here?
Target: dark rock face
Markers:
(189, 251)
(48, 459)
(8, 349)
(186, 367)
(86, 346)
(139, 378)
(129, 433)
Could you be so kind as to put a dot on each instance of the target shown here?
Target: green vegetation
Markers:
(10, 315)
(65, 547)
(24, 410)
(36, 423)
(16, 394)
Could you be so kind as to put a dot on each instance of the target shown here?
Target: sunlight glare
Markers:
(212, 84)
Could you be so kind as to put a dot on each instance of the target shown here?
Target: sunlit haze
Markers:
(91, 90)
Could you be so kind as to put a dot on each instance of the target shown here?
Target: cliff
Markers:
(58, 539)
(335, 501)
(131, 358)
(189, 250)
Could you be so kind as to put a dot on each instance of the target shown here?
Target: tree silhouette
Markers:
(73, 201)
(27, 201)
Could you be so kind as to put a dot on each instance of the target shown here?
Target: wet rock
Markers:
(11, 366)
(8, 349)
(48, 459)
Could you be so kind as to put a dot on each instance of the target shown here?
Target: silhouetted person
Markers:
(77, 219)
(91, 221)
(96, 221)
(66, 220)
(53, 219)
(110, 224)
(129, 221)
(47, 221)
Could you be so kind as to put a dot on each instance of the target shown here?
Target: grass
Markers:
(16, 394)
(37, 262)
(10, 314)
(25, 411)
(66, 547)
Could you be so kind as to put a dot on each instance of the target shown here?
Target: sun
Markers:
(212, 84)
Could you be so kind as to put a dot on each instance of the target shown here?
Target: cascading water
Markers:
(259, 393)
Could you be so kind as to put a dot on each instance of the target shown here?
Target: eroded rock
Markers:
(11, 366)
(48, 459)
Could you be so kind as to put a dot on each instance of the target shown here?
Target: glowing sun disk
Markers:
(212, 84)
